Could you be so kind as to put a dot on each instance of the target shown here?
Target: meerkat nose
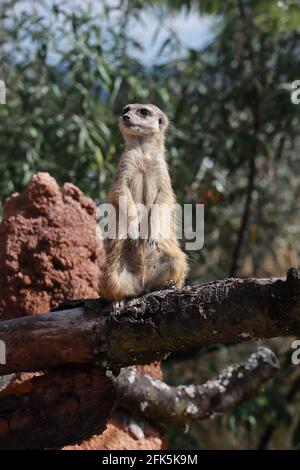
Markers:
(126, 118)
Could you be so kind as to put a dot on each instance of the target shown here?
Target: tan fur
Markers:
(137, 266)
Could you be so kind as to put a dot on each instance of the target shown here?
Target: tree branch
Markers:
(160, 402)
(147, 328)
(56, 408)
(62, 407)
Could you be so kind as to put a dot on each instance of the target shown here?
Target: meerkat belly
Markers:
(136, 186)
(143, 187)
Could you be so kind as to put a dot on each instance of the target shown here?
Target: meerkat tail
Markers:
(119, 280)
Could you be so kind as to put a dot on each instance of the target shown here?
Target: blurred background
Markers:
(222, 71)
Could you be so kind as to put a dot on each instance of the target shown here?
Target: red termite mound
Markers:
(50, 253)
(49, 249)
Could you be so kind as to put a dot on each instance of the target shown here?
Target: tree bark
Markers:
(54, 409)
(63, 407)
(158, 401)
(148, 328)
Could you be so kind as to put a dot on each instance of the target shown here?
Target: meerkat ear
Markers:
(163, 121)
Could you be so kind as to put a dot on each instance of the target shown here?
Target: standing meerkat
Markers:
(137, 264)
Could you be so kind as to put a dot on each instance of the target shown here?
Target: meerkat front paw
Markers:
(135, 241)
(151, 243)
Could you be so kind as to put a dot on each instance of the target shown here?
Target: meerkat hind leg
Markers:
(159, 276)
(164, 270)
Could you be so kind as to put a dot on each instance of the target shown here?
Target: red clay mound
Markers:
(49, 249)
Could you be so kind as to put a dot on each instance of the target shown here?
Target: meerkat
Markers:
(135, 265)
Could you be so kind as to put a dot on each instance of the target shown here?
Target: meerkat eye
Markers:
(145, 112)
(126, 110)
(160, 121)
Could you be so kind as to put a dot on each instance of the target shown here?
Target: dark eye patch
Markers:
(144, 112)
(126, 110)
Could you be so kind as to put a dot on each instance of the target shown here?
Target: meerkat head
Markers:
(143, 121)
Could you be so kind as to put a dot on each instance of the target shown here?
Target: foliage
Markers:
(66, 76)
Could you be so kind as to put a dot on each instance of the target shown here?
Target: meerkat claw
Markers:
(151, 243)
(135, 241)
(170, 285)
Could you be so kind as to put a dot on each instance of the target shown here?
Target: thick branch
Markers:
(161, 402)
(54, 409)
(63, 407)
(147, 328)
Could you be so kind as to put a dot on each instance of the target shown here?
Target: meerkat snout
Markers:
(126, 118)
(142, 120)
